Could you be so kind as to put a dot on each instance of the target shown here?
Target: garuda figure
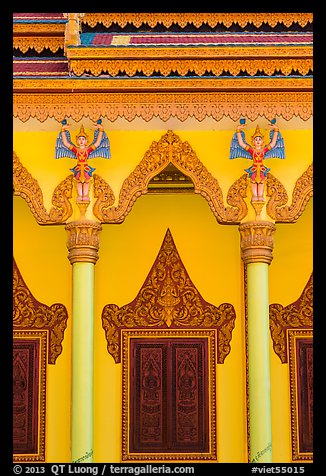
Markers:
(65, 148)
(257, 152)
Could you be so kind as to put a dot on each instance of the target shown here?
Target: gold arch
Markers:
(170, 149)
(26, 186)
(276, 206)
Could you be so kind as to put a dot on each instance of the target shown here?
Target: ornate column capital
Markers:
(83, 241)
(257, 241)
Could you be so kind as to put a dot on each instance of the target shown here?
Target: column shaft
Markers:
(82, 363)
(259, 363)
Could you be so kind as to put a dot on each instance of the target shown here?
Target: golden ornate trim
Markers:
(38, 28)
(250, 104)
(28, 188)
(298, 315)
(170, 149)
(257, 241)
(168, 299)
(42, 337)
(30, 314)
(197, 19)
(276, 206)
(83, 241)
(182, 66)
(24, 43)
(264, 54)
(210, 335)
(293, 335)
(199, 84)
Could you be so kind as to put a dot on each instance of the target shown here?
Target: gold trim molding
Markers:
(29, 189)
(24, 43)
(170, 149)
(83, 241)
(30, 314)
(298, 315)
(163, 105)
(276, 206)
(197, 19)
(210, 335)
(168, 300)
(166, 66)
(257, 241)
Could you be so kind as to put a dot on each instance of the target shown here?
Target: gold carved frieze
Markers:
(277, 207)
(162, 105)
(156, 84)
(170, 149)
(26, 186)
(298, 315)
(168, 300)
(199, 66)
(38, 43)
(30, 314)
(197, 19)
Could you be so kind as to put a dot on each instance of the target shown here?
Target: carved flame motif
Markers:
(31, 314)
(298, 315)
(170, 149)
(168, 299)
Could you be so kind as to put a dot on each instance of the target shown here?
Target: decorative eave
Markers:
(163, 104)
(197, 19)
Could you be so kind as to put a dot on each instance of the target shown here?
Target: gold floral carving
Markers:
(250, 104)
(104, 195)
(30, 314)
(28, 188)
(24, 43)
(257, 241)
(276, 206)
(298, 315)
(170, 149)
(197, 19)
(83, 241)
(168, 300)
(157, 85)
(182, 66)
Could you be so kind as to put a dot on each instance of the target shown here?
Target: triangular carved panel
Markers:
(30, 314)
(168, 299)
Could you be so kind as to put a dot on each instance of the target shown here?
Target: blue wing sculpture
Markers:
(278, 151)
(236, 151)
(103, 150)
(61, 151)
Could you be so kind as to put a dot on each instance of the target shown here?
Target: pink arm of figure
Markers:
(64, 137)
(274, 139)
(239, 137)
(99, 137)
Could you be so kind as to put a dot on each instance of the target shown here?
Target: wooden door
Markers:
(169, 395)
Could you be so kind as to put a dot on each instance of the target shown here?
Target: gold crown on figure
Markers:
(257, 133)
(82, 133)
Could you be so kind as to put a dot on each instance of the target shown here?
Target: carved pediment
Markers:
(30, 314)
(168, 299)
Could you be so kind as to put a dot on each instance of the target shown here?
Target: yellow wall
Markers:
(210, 253)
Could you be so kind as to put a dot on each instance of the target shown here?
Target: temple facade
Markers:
(162, 229)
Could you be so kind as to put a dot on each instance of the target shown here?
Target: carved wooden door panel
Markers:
(169, 395)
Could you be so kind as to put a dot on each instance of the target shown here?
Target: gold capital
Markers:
(257, 241)
(83, 241)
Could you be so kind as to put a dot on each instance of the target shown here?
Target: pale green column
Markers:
(259, 363)
(257, 246)
(82, 363)
(83, 244)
